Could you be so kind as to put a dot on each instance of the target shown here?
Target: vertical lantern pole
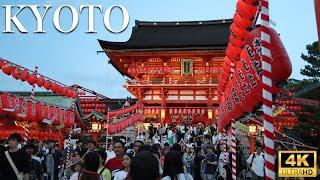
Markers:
(266, 59)
(234, 150)
(26, 126)
(224, 141)
(67, 163)
(107, 127)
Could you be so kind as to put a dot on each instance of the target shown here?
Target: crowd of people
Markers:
(162, 153)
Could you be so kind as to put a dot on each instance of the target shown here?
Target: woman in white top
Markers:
(91, 166)
(173, 167)
(121, 175)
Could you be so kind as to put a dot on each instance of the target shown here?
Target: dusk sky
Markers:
(72, 58)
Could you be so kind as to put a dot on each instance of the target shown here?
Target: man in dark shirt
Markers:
(211, 162)
(19, 158)
(57, 158)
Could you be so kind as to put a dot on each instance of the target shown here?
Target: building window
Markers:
(186, 67)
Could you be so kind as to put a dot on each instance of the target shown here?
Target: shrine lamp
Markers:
(163, 113)
(210, 115)
(252, 129)
(95, 127)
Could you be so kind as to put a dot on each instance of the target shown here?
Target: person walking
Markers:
(122, 175)
(50, 163)
(173, 167)
(211, 163)
(91, 166)
(103, 171)
(255, 163)
(14, 163)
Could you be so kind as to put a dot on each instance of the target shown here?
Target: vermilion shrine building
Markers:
(173, 67)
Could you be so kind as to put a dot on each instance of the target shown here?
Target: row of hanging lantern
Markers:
(243, 20)
(34, 134)
(175, 111)
(27, 110)
(120, 126)
(92, 104)
(23, 74)
(243, 92)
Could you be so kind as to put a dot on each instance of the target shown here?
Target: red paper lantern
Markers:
(31, 114)
(40, 81)
(16, 73)
(279, 54)
(32, 79)
(24, 75)
(247, 11)
(47, 84)
(2, 62)
(238, 32)
(7, 68)
(70, 94)
(236, 42)
(74, 94)
(65, 91)
(55, 87)
(241, 22)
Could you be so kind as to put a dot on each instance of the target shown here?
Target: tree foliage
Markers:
(313, 60)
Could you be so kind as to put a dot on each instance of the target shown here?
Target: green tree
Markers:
(313, 59)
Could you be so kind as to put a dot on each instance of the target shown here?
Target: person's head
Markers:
(176, 147)
(35, 150)
(144, 166)
(110, 147)
(56, 147)
(91, 161)
(137, 145)
(92, 145)
(172, 164)
(102, 156)
(77, 167)
(29, 148)
(127, 159)
(76, 154)
(221, 147)
(14, 140)
(259, 148)
(165, 150)
(188, 149)
(197, 150)
(118, 148)
(209, 149)
(52, 150)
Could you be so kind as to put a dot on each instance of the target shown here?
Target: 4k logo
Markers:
(297, 163)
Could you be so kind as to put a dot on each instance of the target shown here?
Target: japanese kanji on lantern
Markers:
(243, 92)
